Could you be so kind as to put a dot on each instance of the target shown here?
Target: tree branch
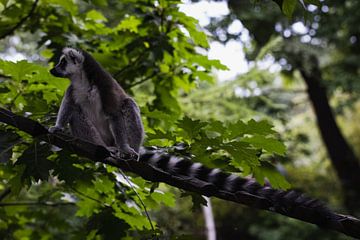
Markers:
(142, 80)
(338, 222)
(132, 64)
(4, 76)
(10, 31)
(47, 204)
(4, 193)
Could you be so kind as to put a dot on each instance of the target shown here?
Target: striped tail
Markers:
(281, 201)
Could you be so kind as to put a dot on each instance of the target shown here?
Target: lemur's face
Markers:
(70, 63)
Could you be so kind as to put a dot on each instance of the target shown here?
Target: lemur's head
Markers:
(70, 63)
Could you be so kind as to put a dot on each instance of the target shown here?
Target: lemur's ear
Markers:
(72, 56)
(75, 56)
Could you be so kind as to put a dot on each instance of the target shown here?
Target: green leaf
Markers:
(267, 171)
(197, 200)
(96, 16)
(47, 53)
(103, 184)
(4, 2)
(204, 76)
(190, 128)
(91, 235)
(131, 216)
(35, 160)
(130, 24)
(240, 128)
(16, 182)
(271, 145)
(158, 134)
(216, 126)
(191, 25)
(67, 168)
(159, 115)
(288, 7)
(207, 63)
(102, 3)
(87, 207)
(166, 198)
(90, 200)
(242, 152)
(34, 73)
(218, 65)
(68, 5)
(18, 71)
(164, 68)
(271, 45)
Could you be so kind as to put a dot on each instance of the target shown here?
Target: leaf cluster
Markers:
(157, 54)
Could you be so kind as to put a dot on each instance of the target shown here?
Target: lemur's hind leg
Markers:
(83, 128)
(133, 123)
(127, 128)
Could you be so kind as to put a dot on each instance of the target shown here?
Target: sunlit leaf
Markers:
(269, 144)
(96, 16)
(130, 24)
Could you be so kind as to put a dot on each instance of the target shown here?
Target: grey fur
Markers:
(96, 107)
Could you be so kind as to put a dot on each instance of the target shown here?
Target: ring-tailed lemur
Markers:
(100, 111)
(96, 106)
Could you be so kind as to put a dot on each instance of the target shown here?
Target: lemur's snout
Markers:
(53, 71)
(56, 73)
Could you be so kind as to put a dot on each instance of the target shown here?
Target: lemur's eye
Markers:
(62, 63)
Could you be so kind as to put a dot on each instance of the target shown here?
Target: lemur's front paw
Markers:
(128, 154)
(55, 129)
(114, 151)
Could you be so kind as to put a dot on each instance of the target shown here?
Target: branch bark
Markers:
(338, 222)
(344, 160)
(4, 193)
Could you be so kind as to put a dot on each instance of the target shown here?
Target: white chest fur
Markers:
(90, 102)
(88, 98)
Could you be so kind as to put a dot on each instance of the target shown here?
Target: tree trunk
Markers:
(343, 159)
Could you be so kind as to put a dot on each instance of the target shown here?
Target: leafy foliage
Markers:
(277, 39)
(155, 52)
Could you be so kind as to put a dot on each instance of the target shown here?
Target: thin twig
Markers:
(4, 193)
(142, 80)
(84, 195)
(10, 31)
(129, 65)
(4, 76)
(138, 196)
